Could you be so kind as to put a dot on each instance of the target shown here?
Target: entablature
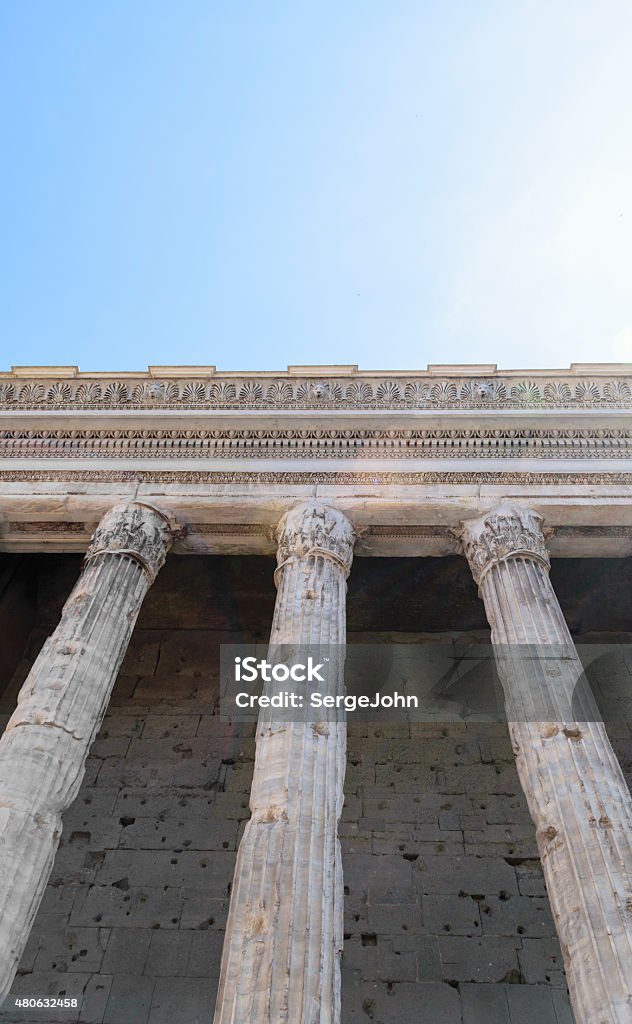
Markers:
(406, 455)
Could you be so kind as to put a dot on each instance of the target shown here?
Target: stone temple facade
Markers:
(162, 863)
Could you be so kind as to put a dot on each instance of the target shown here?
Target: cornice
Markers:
(498, 441)
(484, 388)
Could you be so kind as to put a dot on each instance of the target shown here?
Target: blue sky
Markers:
(256, 184)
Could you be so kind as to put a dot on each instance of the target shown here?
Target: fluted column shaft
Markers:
(60, 708)
(576, 791)
(281, 959)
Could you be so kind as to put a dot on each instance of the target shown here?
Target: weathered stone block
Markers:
(205, 954)
(405, 1002)
(72, 950)
(374, 957)
(541, 962)
(204, 833)
(126, 951)
(211, 871)
(530, 877)
(390, 877)
(516, 915)
(167, 726)
(456, 915)
(129, 1000)
(140, 907)
(117, 723)
(142, 654)
(183, 999)
(393, 918)
(472, 875)
(502, 841)
(529, 1003)
(484, 1004)
(201, 911)
(93, 829)
(483, 960)
(110, 746)
(95, 998)
(168, 954)
(561, 1003)
(161, 804)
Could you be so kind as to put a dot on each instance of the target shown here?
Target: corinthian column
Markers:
(574, 786)
(60, 709)
(281, 959)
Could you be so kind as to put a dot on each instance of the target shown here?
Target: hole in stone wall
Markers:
(79, 838)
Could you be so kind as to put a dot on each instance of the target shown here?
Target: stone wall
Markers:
(446, 913)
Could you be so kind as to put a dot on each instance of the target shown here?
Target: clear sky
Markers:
(255, 184)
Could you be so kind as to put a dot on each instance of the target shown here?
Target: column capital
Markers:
(503, 533)
(315, 528)
(137, 529)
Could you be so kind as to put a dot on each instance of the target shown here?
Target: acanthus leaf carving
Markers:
(138, 530)
(527, 392)
(587, 391)
(388, 393)
(508, 531)
(116, 393)
(32, 393)
(315, 528)
(416, 392)
(617, 391)
(222, 392)
(88, 394)
(444, 393)
(251, 392)
(557, 393)
(280, 392)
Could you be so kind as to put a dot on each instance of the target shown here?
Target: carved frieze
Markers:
(208, 477)
(359, 391)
